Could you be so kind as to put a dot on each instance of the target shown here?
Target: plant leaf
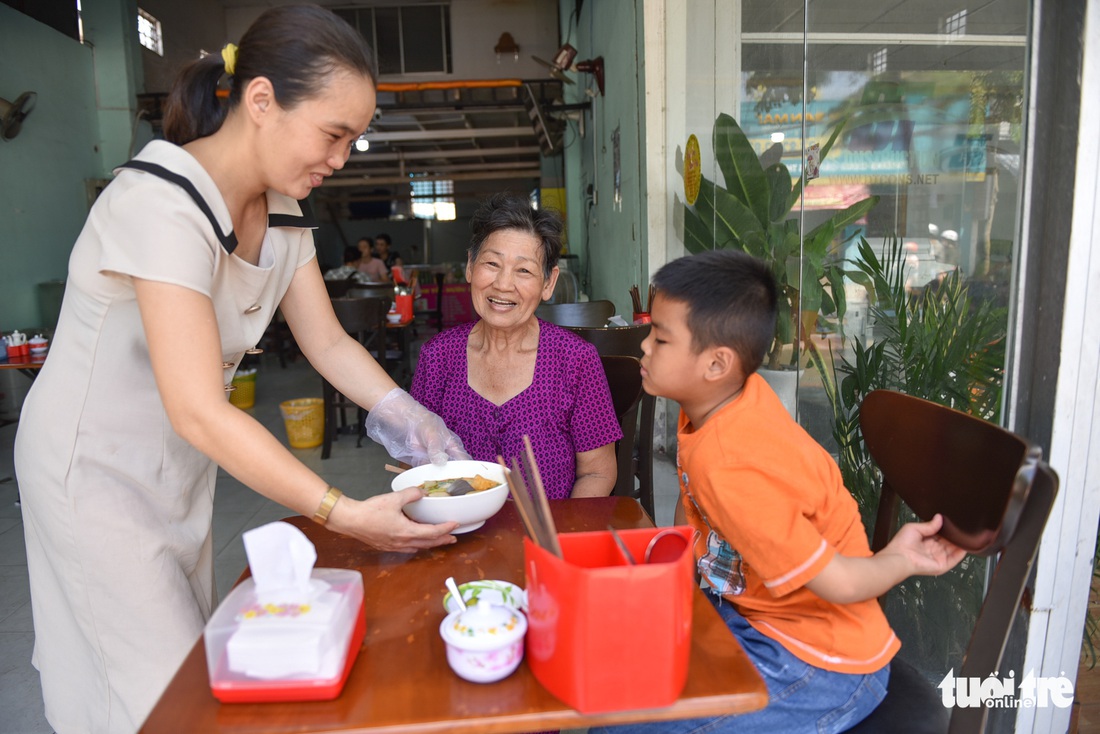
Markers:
(697, 237)
(779, 181)
(741, 168)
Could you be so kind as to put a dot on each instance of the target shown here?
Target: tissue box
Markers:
(301, 649)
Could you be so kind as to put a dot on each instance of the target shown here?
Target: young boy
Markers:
(779, 544)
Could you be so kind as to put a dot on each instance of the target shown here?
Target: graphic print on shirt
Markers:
(720, 566)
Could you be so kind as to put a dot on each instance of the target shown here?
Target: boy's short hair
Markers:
(731, 299)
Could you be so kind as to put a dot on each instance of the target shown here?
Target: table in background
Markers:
(28, 366)
(401, 682)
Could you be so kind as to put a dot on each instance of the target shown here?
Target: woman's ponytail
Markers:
(194, 109)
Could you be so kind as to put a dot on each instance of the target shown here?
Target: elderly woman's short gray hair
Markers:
(506, 211)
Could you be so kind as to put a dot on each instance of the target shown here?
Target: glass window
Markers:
(387, 40)
(422, 30)
(149, 32)
(433, 199)
(412, 39)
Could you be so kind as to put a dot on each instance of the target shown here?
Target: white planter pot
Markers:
(785, 384)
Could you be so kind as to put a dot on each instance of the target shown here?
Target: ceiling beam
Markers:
(427, 155)
(361, 171)
(364, 181)
(883, 39)
(464, 134)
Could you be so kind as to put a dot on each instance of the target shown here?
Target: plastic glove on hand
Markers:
(410, 432)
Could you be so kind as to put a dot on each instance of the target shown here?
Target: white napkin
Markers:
(281, 559)
(617, 320)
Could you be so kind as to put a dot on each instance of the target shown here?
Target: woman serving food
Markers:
(177, 273)
(510, 374)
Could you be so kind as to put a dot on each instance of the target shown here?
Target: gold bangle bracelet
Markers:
(331, 496)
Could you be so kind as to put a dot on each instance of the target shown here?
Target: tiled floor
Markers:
(357, 471)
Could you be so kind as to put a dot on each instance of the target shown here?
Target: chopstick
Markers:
(396, 469)
(540, 495)
(649, 300)
(523, 502)
(636, 298)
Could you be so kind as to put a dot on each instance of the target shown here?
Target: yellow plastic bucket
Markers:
(245, 394)
(305, 421)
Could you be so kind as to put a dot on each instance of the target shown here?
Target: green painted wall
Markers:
(608, 234)
(71, 136)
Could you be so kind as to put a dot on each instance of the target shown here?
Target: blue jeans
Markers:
(801, 697)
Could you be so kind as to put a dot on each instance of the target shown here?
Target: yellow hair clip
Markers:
(229, 56)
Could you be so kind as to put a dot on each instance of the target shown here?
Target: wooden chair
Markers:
(627, 340)
(995, 494)
(365, 318)
(584, 313)
(337, 288)
(434, 317)
(624, 378)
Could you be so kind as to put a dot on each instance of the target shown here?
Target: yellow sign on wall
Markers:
(693, 170)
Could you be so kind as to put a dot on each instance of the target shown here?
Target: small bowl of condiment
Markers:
(484, 641)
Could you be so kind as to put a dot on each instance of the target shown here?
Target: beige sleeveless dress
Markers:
(116, 506)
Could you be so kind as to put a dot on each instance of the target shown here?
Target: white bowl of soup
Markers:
(469, 510)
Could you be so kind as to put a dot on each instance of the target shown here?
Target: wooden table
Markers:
(29, 366)
(401, 681)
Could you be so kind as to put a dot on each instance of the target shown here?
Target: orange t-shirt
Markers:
(774, 494)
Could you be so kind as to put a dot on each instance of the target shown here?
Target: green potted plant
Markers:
(753, 213)
(937, 343)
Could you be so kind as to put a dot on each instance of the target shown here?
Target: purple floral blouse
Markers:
(566, 410)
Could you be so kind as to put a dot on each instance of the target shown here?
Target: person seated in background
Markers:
(369, 264)
(366, 247)
(779, 544)
(383, 250)
(510, 374)
(351, 268)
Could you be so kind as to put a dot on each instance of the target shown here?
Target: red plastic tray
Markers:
(267, 691)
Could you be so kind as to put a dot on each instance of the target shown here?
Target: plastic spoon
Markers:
(455, 593)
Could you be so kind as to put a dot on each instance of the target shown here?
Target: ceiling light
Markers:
(778, 137)
(362, 144)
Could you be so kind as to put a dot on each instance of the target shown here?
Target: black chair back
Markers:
(337, 288)
(627, 341)
(990, 469)
(624, 378)
(582, 313)
(995, 494)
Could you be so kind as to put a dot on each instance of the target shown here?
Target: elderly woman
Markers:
(511, 374)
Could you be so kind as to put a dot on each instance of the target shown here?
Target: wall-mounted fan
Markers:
(563, 62)
(12, 114)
